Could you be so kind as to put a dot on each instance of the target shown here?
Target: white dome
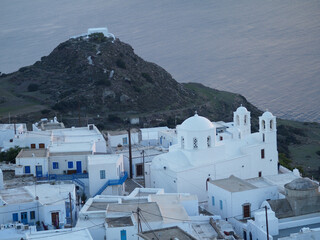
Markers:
(241, 109)
(267, 115)
(196, 123)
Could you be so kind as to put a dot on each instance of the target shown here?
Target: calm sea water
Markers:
(268, 51)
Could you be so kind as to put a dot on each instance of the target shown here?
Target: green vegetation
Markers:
(103, 82)
(10, 155)
(147, 77)
(33, 87)
(97, 37)
(121, 64)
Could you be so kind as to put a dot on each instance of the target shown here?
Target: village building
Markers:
(149, 209)
(206, 150)
(44, 205)
(9, 131)
(121, 138)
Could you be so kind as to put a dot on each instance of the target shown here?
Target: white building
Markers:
(203, 153)
(120, 138)
(32, 161)
(43, 139)
(44, 124)
(106, 174)
(157, 210)
(10, 131)
(150, 136)
(236, 198)
(44, 203)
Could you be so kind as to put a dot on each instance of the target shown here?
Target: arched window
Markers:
(195, 143)
(271, 124)
(182, 142)
(238, 120)
(263, 138)
(209, 141)
(245, 120)
(263, 125)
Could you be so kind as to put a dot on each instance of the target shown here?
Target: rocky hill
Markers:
(93, 76)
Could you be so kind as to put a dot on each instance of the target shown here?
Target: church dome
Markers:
(301, 184)
(242, 110)
(267, 114)
(196, 123)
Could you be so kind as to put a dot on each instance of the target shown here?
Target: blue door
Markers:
(38, 171)
(24, 217)
(79, 167)
(123, 235)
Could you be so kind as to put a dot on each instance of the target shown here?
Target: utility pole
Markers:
(130, 153)
(144, 173)
(70, 208)
(139, 221)
(267, 222)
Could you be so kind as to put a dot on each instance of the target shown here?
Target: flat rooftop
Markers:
(32, 153)
(74, 147)
(100, 206)
(233, 184)
(51, 194)
(16, 195)
(62, 234)
(119, 222)
(122, 132)
(150, 211)
(103, 159)
(166, 233)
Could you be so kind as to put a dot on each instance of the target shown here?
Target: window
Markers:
(212, 200)
(195, 143)
(124, 141)
(55, 165)
(139, 169)
(102, 174)
(32, 215)
(263, 137)
(260, 174)
(246, 210)
(209, 141)
(70, 164)
(221, 138)
(245, 119)
(263, 125)
(238, 120)
(271, 124)
(26, 169)
(221, 205)
(262, 153)
(33, 145)
(250, 236)
(182, 142)
(15, 217)
(41, 145)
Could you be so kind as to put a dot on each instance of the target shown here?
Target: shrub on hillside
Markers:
(33, 87)
(121, 64)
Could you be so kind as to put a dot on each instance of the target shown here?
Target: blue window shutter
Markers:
(55, 165)
(15, 217)
(26, 169)
(70, 164)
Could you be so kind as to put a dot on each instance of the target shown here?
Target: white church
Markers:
(207, 150)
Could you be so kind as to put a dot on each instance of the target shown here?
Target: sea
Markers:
(268, 51)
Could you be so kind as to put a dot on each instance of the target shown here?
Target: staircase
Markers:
(112, 182)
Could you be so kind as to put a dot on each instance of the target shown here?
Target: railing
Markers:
(112, 182)
(70, 177)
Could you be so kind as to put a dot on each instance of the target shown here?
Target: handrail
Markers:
(112, 182)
